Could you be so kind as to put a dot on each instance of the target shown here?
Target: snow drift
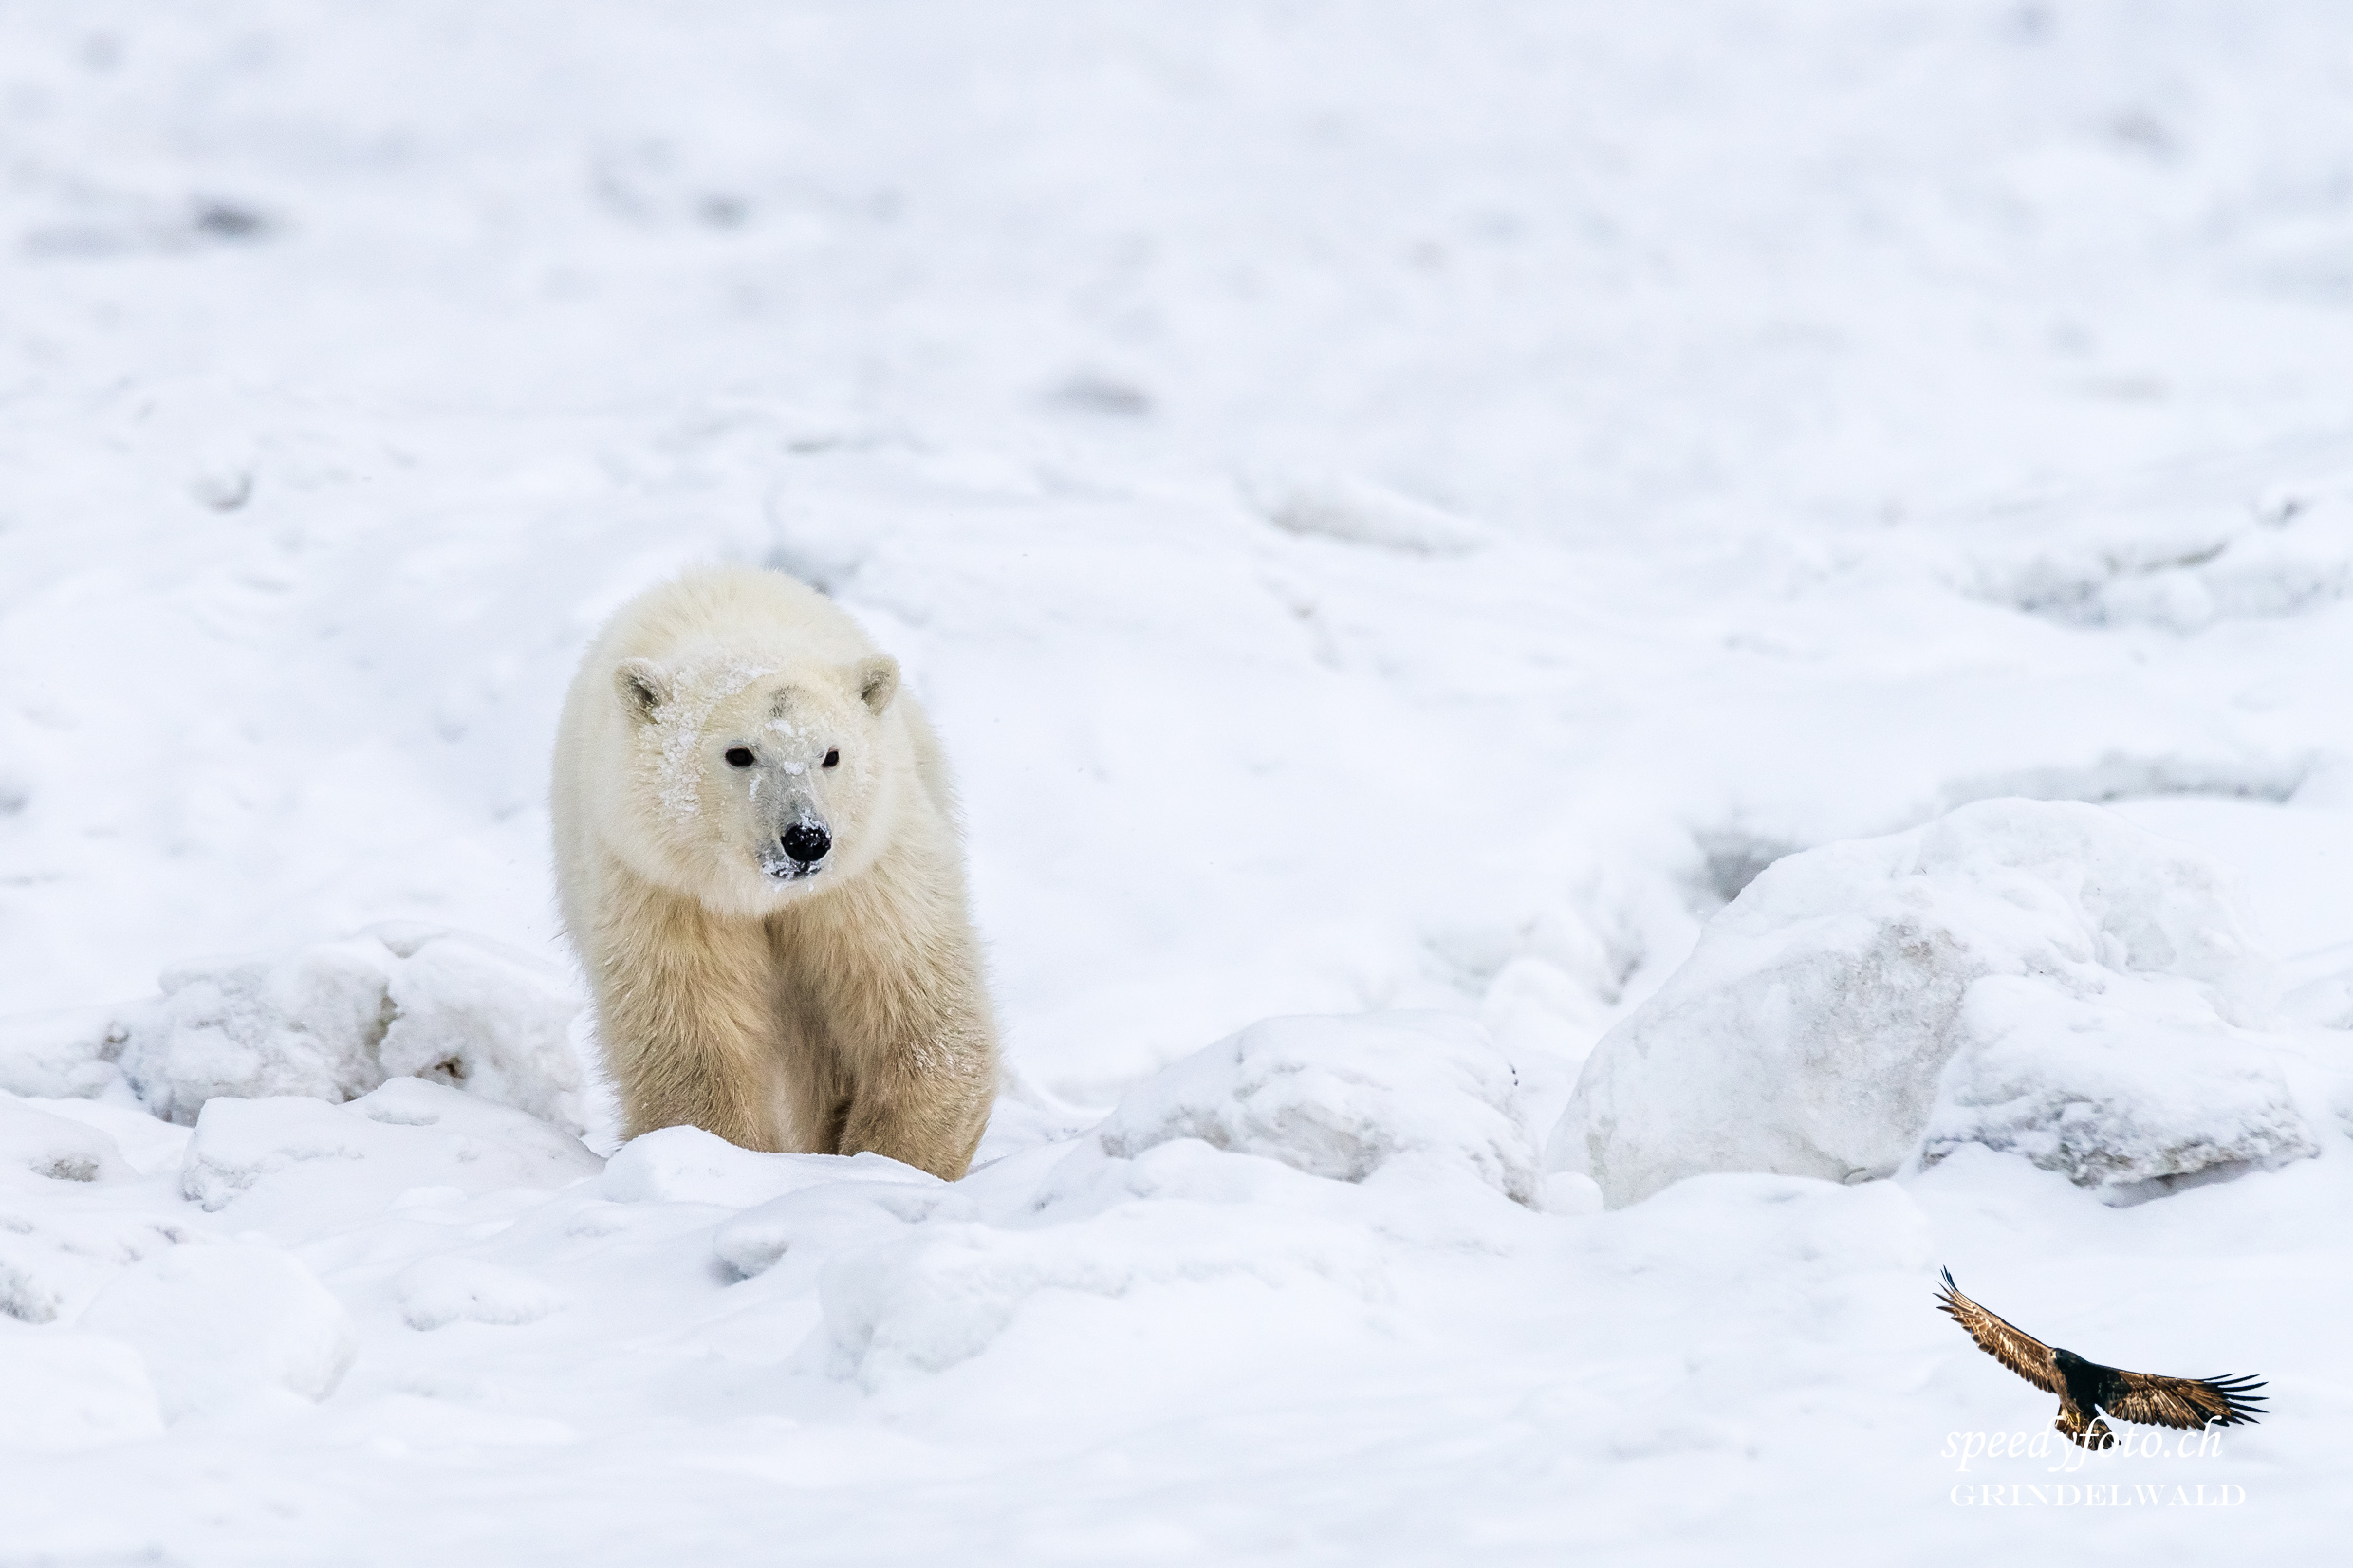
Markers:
(2039, 978)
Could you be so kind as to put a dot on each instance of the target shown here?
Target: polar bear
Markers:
(758, 859)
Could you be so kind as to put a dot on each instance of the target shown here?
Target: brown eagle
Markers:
(2087, 1388)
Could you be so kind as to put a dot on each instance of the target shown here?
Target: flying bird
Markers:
(2086, 1387)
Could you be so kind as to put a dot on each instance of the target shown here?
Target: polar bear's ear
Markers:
(877, 681)
(643, 687)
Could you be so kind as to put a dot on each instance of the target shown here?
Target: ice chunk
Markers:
(408, 1134)
(2041, 976)
(334, 1020)
(218, 1323)
(34, 1142)
(1342, 1097)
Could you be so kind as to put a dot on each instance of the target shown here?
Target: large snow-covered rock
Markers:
(1342, 1097)
(330, 1022)
(2036, 977)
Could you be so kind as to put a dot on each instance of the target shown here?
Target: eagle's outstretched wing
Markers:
(2021, 1353)
(2177, 1401)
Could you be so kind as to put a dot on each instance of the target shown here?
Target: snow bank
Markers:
(330, 1022)
(218, 1323)
(1342, 1097)
(2037, 977)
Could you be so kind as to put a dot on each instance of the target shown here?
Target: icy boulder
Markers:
(2036, 977)
(1342, 1097)
(334, 1020)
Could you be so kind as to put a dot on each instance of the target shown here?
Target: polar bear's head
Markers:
(764, 784)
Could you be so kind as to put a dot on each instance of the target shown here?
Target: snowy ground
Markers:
(1400, 506)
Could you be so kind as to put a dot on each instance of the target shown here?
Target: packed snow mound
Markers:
(62, 1055)
(218, 1323)
(688, 1165)
(1257, 1188)
(2327, 1000)
(315, 1158)
(854, 1209)
(2038, 977)
(36, 1143)
(73, 1390)
(71, 1216)
(2121, 1096)
(1344, 1097)
(946, 1292)
(1182, 1240)
(436, 1291)
(330, 1022)
(1355, 511)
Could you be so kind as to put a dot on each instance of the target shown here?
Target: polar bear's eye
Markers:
(832, 757)
(738, 756)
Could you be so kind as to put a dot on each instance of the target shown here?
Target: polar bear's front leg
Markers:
(684, 1015)
(927, 1102)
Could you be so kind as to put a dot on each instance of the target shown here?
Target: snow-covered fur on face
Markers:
(749, 782)
(758, 859)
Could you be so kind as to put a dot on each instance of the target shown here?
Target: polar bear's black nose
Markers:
(805, 842)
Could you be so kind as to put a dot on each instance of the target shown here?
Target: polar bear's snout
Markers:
(805, 842)
(799, 848)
